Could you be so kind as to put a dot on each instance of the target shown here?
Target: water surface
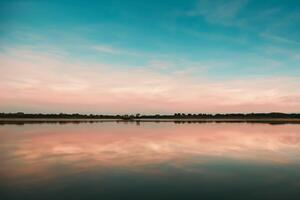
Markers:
(150, 161)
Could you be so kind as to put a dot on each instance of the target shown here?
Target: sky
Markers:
(149, 56)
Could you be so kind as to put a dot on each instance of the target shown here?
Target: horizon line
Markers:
(149, 114)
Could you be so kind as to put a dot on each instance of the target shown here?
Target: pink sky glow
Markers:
(33, 81)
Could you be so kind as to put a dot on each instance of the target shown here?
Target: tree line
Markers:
(155, 116)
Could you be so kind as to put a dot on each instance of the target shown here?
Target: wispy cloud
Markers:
(274, 24)
(46, 82)
(219, 11)
(279, 39)
(283, 29)
(107, 49)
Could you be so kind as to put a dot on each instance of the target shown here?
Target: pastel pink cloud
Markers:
(49, 82)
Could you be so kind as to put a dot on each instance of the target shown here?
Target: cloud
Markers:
(219, 11)
(279, 39)
(106, 49)
(160, 64)
(275, 24)
(49, 82)
(283, 28)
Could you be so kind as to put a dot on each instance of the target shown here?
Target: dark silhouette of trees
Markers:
(273, 115)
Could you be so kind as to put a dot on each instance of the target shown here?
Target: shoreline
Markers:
(208, 120)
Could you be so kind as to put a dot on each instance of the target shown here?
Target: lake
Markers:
(148, 160)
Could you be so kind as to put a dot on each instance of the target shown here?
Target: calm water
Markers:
(150, 161)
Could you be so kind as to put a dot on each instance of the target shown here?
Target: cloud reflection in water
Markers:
(49, 150)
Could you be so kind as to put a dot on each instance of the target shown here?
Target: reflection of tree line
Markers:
(127, 117)
(138, 122)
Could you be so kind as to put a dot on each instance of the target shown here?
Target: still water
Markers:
(150, 161)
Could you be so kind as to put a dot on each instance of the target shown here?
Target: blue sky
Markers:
(216, 41)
